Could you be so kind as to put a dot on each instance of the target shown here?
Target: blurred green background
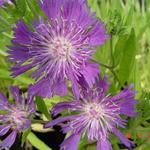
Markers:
(125, 57)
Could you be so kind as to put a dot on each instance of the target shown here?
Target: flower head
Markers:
(59, 48)
(2, 2)
(96, 115)
(15, 117)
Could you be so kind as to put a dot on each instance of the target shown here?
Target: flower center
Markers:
(94, 111)
(61, 47)
(18, 116)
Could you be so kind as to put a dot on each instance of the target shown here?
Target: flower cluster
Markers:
(95, 114)
(15, 117)
(58, 50)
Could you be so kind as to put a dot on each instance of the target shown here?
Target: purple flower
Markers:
(96, 115)
(60, 48)
(2, 2)
(15, 117)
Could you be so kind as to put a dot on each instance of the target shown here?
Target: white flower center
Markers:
(17, 117)
(60, 47)
(94, 111)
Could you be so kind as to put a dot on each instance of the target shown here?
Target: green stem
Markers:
(111, 68)
(111, 50)
(101, 64)
(115, 75)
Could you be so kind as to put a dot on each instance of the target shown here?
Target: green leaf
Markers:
(118, 52)
(129, 17)
(82, 143)
(24, 136)
(21, 7)
(23, 79)
(128, 58)
(50, 102)
(36, 142)
(5, 74)
(42, 107)
(34, 7)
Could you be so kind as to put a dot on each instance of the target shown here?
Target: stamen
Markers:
(60, 48)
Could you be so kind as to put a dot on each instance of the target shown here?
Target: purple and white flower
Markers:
(58, 49)
(95, 115)
(2, 2)
(15, 117)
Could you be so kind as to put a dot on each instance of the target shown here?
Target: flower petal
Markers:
(103, 84)
(90, 71)
(17, 70)
(58, 120)
(3, 98)
(63, 105)
(41, 88)
(75, 84)
(123, 139)
(51, 8)
(22, 33)
(9, 141)
(103, 144)
(124, 94)
(16, 93)
(70, 143)
(4, 129)
(98, 34)
(60, 88)
(127, 107)
(18, 53)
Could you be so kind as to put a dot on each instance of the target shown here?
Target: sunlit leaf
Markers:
(36, 142)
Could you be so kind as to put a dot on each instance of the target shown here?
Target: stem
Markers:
(101, 64)
(115, 75)
(111, 50)
(113, 61)
(111, 68)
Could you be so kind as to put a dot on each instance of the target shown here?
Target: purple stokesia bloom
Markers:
(60, 48)
(96, 115)
(2, 2)
(16, 116)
